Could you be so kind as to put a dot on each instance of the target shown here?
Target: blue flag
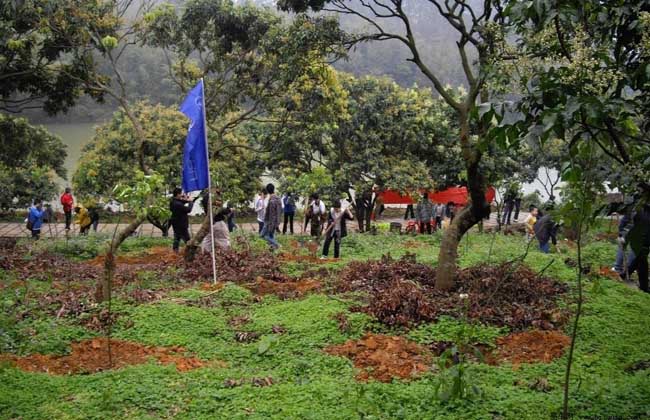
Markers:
(195, 154)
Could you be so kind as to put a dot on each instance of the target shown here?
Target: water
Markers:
(74, 136)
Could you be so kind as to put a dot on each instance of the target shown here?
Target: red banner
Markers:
(457, 195)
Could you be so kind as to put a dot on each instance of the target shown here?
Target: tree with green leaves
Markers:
(31, 159)
(47, 51)
(479, 34)
(248, 59)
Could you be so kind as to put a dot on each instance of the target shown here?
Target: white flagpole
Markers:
(207, 158)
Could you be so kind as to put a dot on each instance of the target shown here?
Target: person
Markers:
(517, 207)
(67, 201)
(35, 219)
(440, 214)
(219, 231)
(409, 214)
(546, 229)
(180, 206)
(450, 211)
(379, 206)
(624, 226)
(48, 214)
(639, 238)
(423, 213)
(289, 204)
(530, 221)
(94, 217)
(336, 228)
(317, 212)
(260, 207)
(272, 215)
(364, 211)
(83, 219)
(230, 218)
(509, 203)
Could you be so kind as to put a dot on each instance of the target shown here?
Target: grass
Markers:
(309, 384)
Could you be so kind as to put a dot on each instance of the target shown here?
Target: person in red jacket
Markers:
(68, 203)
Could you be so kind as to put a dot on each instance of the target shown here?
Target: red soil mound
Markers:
(92, 356)
(531, 347)
(383, 357)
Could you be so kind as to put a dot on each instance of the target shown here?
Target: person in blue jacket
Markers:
(289, 205)
(35, 219)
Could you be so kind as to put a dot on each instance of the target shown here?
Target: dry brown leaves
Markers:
(401, 292)
(93, 356)
(383, 357)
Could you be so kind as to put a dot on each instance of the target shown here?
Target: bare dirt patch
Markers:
(530, 347)
(91, 356)
(152, 256)
(383, 357)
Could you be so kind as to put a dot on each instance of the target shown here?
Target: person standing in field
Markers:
(317, 212)
(440, 214)
(83, 219)
(35, 219)
(639, 238)
(623, 261)
(545, 231)
(423, 213)
(260, 208)
(181, 207)
(336, 228)
(272, 216)
(289, 204)
(67, 201)
(530, 221)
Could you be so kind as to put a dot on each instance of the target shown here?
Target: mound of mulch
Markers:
(153, 256)
(305, 258)
(92, 356)
(383, 357)
(284, 290)
(401, 292)
(530, 347)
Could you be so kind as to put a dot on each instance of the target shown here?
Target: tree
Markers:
(46, 51)
(248, 58)
(584, 68)
(30, 160)
(479, 33)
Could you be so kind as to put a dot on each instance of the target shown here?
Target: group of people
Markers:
(429, 216)
(39, 214)
(542, 227)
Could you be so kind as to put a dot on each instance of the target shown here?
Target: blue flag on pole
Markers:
(195, 154)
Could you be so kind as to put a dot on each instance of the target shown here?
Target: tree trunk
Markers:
(476, 209)
(192, 246)
(103, 292)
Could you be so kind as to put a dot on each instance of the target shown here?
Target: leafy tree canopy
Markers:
(31, 158)
(46, 51)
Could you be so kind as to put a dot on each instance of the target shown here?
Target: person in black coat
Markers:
(545, 231)
(639, 239)
(180, 207)
(336, 228)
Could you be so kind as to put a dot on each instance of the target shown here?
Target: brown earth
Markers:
(530, 347)
(91, 356)
(154, 255)
(383, 357)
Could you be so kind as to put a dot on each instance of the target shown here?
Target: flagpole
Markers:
(207, 158)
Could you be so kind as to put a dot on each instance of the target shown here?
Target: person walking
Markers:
(83, 219)
(289, 204)
(336, 228)
(260, 208)
(440, 214)
(423, 213)
(317, 213)
(272, 215)
(180, 206)
(35, 219)
(67, 201)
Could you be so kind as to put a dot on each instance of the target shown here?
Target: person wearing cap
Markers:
(336, 228)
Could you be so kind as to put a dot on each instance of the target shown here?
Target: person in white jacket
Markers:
(260, 209)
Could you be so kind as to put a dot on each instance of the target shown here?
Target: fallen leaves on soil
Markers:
(91, 356)
(401, 292)
(383, 357)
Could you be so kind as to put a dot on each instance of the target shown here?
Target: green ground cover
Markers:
(307, 382)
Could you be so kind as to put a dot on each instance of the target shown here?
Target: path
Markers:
(16, 230)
